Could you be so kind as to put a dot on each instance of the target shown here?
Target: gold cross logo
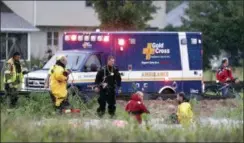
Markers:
(148, 51)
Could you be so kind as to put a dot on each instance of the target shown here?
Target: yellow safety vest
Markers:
(185, 114)
(12, 76)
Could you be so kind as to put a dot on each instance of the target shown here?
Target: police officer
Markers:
(13, 77)
(106, 81)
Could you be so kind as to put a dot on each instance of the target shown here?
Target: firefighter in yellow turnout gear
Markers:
(184, 114)
(184, 111)
(50, 71)
(58, 84)
(13, 76)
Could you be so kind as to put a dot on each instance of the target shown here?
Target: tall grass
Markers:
(231, 113)
(21, 129)
(18, 125)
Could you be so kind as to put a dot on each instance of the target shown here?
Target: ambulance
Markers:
(157, 63)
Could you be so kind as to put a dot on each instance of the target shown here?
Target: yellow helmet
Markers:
(60, 57)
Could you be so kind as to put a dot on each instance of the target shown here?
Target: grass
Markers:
(63, 132)
(17, 125)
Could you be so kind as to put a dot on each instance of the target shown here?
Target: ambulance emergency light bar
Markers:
(93, 38)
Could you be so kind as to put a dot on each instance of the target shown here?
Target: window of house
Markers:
(3, 49)
(49, 38)
(52, 38)
(14, 42)
(88, 3)
(55, 38)
(93, 60)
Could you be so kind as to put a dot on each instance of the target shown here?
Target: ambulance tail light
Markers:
(106, 38)
(166, 79)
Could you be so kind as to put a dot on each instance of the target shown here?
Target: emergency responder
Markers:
(48, 56)
(106, 81)
(224, 75)
(50, 72)
(58, 85)
(13, 77)
(184, 111)
(136, 106)
(47, 81)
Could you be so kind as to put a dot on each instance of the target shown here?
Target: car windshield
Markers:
(74, 61)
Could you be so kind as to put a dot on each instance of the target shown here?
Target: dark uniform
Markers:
(111, 76)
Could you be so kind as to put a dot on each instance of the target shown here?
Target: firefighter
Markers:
(58, 85)
(136, 106)
(224, 75)
(50, 72)
(13, 77)
(184, 112)
(106, 81)
(47, 81)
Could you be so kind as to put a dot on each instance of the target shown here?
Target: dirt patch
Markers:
(205, 108)
(208, 107)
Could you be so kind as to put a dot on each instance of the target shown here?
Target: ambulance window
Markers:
(93, 59)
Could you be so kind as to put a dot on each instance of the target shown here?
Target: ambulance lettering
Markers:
(155, 50)
(159, 48)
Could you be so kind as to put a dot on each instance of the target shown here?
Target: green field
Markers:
(18, 125)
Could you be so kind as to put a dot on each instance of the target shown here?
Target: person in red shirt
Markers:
(224, 75)
(136, 106)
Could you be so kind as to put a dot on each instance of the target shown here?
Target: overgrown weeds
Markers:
(24, 124)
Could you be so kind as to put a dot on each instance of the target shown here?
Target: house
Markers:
(15, 35)
(174, 16)
(49, 20)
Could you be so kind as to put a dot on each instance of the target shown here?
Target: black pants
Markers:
(109, 97)
(64, 105)
(11, 96)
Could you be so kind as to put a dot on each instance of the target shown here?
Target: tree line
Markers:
(221, 22)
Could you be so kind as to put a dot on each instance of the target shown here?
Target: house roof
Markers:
(174, 16)
(10, 22)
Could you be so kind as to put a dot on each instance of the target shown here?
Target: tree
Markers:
(222, 25)
(124, 14)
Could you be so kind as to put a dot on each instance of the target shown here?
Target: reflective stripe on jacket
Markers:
(10, 75)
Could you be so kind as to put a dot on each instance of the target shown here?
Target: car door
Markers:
(89, 72)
